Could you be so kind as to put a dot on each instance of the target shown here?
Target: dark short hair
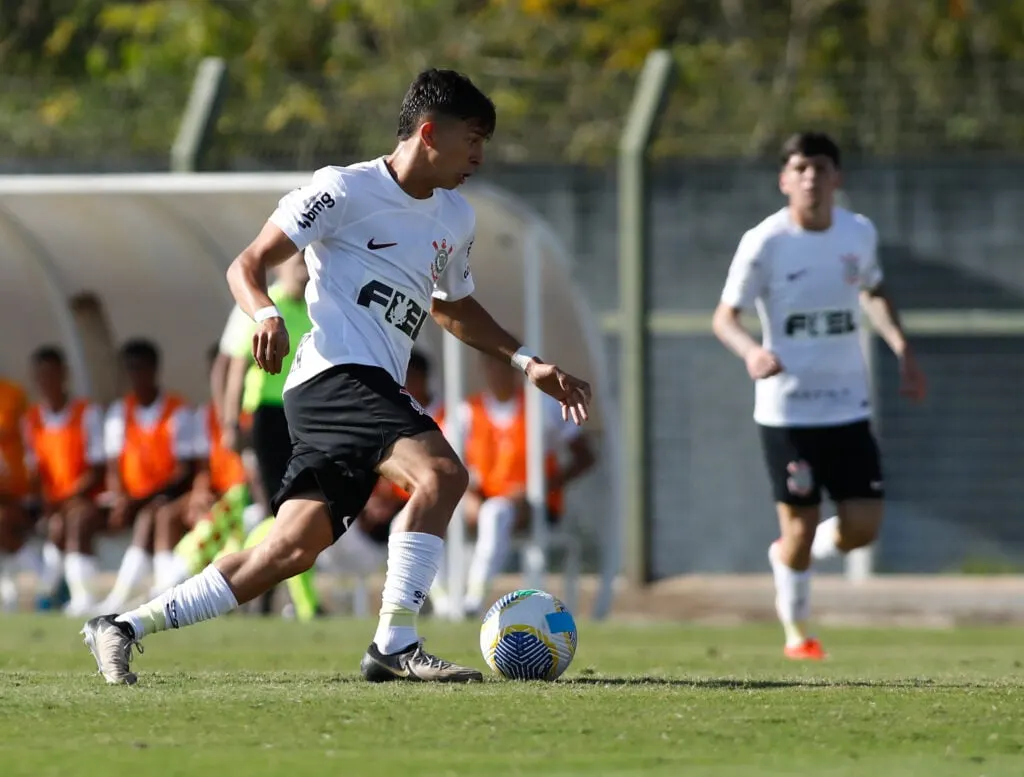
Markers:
(48, 354)
(810, 144)
(418, 362)
(140, 349)
(445, 93)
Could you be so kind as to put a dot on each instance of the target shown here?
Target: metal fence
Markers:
(936, 166)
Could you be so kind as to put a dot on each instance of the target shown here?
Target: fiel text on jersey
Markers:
(400, 310)
(314, 206)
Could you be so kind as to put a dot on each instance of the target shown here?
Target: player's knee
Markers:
(444, 482)
(290, 556)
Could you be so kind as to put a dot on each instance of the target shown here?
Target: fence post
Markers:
(200, 116)
(648, 105)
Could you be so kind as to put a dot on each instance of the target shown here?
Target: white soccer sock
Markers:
(8, 588)
(413, 558)
(80, 572)
(53, 569)
(824, 546)
(168, 571)
(198, 599)
(792, 599)
(494, 534)
(135, 567)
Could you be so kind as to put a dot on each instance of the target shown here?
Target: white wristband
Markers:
(522, 358)
(270, 311)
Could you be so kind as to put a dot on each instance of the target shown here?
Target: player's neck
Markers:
(410, 172)
(56, 404)
(817, 220)
(147, 397)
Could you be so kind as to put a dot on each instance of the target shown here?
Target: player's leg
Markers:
(169, 527)
(52, 569)
(271, 444)
(303, 528)
(496, 520)
(13, 526)
(852, 474)
(82, 522)
(427, 468)
(440, 596)
(137, 562)
(789, 455)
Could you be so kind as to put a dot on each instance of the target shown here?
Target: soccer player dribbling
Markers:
(809, 269)
(387, 243)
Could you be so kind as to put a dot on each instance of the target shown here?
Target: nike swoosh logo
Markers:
(794, 275)
(401, 672)
(377, 246)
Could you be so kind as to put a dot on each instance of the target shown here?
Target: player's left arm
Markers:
(456, 310)
(885, 320)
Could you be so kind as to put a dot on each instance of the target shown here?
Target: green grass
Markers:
(252, 697)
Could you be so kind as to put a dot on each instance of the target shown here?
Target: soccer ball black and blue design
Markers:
(528, 635)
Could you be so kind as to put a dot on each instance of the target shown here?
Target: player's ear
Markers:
(428, 133)
(782, 182)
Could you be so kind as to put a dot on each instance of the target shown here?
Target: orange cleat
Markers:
(808, 650)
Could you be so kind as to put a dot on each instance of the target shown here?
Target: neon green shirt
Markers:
(262, 388)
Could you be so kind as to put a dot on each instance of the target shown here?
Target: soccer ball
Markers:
(528, 635)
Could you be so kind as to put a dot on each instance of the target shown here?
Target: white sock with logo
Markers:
(198, 599)
(824, 546)
(413, 559)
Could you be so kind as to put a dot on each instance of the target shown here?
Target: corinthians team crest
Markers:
(443, 250)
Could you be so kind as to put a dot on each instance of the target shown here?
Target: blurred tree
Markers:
(319, 79)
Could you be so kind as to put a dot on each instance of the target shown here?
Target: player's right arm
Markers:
(303, 216)
(744, 284)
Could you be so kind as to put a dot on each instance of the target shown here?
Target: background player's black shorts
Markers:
(341, 423)
(843, 460)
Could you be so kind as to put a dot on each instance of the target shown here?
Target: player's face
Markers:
(456, 150)
(809, 182)
(49, 378)
(141, 376)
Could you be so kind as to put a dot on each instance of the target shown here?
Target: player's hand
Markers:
(571, 392)
(270, 345)
(762, 363)
(200, 502)
(912, 381)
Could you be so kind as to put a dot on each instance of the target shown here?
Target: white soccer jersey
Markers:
(376, 257)
(806, 288)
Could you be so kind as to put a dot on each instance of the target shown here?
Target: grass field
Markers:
(255, 697)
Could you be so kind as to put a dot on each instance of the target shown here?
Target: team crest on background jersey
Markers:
(442, 251)
(851, 268)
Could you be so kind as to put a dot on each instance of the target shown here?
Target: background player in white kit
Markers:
(808, 269)
(387, 243)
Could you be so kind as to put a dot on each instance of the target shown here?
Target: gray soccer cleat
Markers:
(414, 664)
(111, 642)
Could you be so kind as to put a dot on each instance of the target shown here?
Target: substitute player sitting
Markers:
(494, 425)
(65, 455)
(387, 243)
(808, 269)
(148, 441)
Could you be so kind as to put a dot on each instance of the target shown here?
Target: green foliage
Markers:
(321, 78)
